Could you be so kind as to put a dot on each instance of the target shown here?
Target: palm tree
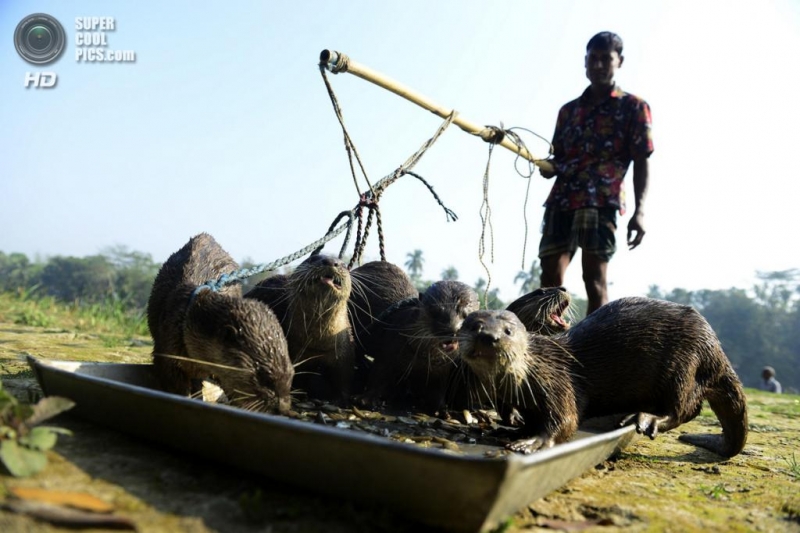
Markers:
(480, 285)
(414, 264)
(450, 273)
(530, 279)
(490, 299)
(494, 301)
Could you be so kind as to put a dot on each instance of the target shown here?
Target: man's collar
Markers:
(614, 92)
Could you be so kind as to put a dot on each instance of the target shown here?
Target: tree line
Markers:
(116, 274)
(757, 327)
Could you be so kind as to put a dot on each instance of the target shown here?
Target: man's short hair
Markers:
(605, 40)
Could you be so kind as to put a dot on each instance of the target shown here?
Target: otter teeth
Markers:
(332, 281)
(450, 346)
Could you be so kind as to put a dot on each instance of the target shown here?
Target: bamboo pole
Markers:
(329, 58)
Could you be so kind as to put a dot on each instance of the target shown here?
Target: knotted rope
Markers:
(368, 199)
(486, 220)
(349, 145)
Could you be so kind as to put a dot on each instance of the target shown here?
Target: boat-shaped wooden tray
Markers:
(466, 490)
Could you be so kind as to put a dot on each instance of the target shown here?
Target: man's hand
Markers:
(635, 226)
(548, 169)
(547, 173)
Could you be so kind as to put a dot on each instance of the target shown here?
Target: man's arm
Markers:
(641, 180)
(557, 146)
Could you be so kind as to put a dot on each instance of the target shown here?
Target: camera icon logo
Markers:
(39, 39)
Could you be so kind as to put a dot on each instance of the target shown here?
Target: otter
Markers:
(414, 343)
(311, 304)
(271, 291)
(652, 360)
(377, 285)
(199, 333)
(544, 310)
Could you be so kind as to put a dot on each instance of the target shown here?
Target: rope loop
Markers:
(449, 213)
(493, 134)
(368, 200)
(342, 64)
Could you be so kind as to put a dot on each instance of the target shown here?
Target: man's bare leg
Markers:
(554, 267)
(594, 277)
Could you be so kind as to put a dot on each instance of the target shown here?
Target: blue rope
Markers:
(244, 273)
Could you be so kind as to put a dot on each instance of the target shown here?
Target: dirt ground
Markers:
(660, 485)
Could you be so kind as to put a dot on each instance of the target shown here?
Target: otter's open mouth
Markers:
(558, 315)
(449, 346)
(558, 319)
(333, 281)
(479, 352)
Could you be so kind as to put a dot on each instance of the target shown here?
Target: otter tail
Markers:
(728, 402)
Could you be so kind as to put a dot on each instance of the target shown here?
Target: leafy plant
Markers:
(23, 442)
(717, 492)
(35, 318)
(504, 526)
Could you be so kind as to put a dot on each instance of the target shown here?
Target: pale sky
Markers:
(223, 125)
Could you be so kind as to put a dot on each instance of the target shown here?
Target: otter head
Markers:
(544, 311)
(323, 279)
(445, 305)
(241, 344)
(494, 344)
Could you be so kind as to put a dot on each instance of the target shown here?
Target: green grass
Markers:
(717, 492)
(789, 408)
(793, 465)
(110, 319)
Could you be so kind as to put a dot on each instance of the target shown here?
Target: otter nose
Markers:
(284, 406)
(330, 261)
(453, 325)
(485, 337)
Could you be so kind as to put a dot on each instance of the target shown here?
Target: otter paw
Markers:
(528, 446)
(646, 424)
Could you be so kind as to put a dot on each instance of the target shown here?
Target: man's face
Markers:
(601, 66)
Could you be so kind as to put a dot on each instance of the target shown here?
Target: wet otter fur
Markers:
(414, 346)
(216, 334)
(652, 360)
(377, 285)
(311, 304)
(271, 291)
(544, 311)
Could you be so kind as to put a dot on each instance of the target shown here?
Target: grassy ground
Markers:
(661, 485)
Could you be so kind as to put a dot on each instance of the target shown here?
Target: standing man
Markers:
(597, 136)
